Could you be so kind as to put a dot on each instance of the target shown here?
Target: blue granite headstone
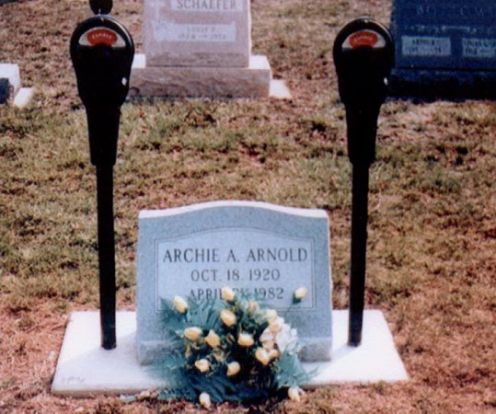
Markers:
(444, 48)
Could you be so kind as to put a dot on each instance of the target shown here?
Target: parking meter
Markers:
(364, 55)
(102, 52)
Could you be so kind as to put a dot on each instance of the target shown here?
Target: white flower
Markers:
(205, 401)
(270, 314)
(262, 356)
(193, 333)
(228, 317)
(212, 339)
(287, 338)
(280, 334)
(245, 340)
(180, 304)
(275, 325)
(300, 294)
(202, 365)
(227, 294)
(267, 339)
(294, 394)
(233, 369)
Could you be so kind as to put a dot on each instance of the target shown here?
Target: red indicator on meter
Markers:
(364, 38)
(102, 36)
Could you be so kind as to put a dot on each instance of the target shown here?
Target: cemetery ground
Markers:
(432, 233)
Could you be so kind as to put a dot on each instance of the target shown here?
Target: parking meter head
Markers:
(102, 52)
(364, 56)
(101, 6)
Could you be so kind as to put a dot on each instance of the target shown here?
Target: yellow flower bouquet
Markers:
(229, 349)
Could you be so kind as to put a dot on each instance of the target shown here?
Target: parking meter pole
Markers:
(358, 252)
(362, 129)
(363, 54)
(106, 254)
(102, 52)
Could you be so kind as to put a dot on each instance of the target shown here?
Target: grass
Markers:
(432, 233)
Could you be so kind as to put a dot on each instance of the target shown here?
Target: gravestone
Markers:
(444, 48)
(10, 86)
(199, 48)
(263, 250)
(10, 81)
(205, 33)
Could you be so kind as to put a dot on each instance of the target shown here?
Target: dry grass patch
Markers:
(432, 228)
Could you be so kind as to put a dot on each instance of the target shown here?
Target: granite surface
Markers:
(445, 48)
(265, 250)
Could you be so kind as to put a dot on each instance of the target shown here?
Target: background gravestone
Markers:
(197, 33)
(201, 49)
(265, 250)
(444, 48)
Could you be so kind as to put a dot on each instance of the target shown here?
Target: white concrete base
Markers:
(85, 369)
(279, 90)
(254, 81)
(375, 360)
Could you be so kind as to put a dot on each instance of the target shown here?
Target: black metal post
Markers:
(102, 52)
(106, 254)
(364, 55)
(358, 252)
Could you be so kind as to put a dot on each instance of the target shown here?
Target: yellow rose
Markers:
(219, 355)
(180, 304)
(205, 401)
(245, 340)
(212, 339)
(300, 294)
(202, 365)
(262, 356)
(233, 369)
(253, 306)
(227, 317)
(294, 394)
(227, 294)
(193, 334)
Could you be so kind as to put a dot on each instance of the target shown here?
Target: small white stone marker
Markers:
(20, 97)
(85, 369)
(23, 97)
